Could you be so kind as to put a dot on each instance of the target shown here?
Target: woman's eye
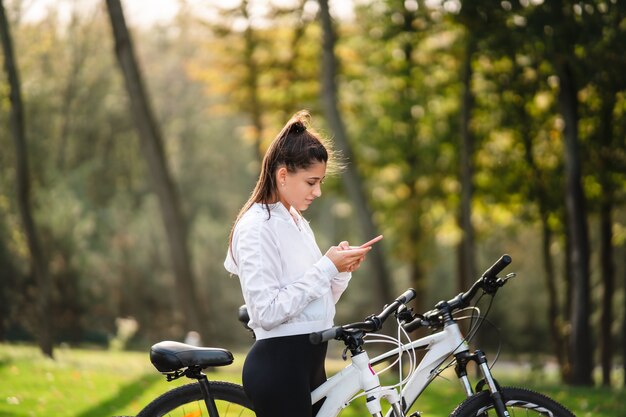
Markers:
(311, 184)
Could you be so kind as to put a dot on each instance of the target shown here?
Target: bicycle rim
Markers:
(187, 401)
(519, 402)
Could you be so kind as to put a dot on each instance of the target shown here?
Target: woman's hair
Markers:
(296, 147)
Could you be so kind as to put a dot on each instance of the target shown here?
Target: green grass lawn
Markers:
(80, 383)
(96, 383)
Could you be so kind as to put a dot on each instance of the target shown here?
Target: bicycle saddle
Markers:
(171, 356)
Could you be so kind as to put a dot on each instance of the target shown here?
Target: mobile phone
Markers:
(371, 242)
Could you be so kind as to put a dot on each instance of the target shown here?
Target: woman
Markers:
(289, 287)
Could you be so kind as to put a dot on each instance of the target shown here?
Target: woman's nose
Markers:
(317, 191)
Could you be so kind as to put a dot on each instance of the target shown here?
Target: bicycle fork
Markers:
(370, 384)
(481, 360)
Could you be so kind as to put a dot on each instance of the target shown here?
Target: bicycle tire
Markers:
(188, 401)
(531, 403)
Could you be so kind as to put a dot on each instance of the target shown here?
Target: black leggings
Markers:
(280, 373)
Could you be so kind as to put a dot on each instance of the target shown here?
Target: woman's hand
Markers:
(345, 258)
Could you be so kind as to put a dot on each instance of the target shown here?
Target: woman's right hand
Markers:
(346, 259)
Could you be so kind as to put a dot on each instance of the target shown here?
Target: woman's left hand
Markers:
(357, 263)
(345, 258)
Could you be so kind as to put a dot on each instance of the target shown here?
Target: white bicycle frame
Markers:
(340, 389)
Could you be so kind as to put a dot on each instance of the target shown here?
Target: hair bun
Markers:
(298, 126)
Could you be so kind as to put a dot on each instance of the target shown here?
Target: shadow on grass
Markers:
(125, 396)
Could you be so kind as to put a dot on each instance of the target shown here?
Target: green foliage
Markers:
(400, 97)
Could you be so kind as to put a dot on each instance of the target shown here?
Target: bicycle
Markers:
(358, 379)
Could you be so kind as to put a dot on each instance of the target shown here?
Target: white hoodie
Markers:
(288, 286)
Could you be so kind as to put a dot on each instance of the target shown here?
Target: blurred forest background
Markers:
(470, 129)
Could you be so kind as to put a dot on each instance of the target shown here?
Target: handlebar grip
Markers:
(324, 336)
(407, 296)
(495, 269)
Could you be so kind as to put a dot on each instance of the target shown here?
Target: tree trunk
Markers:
(406, 99)
(290, 65)
(76, 64)
(466, 248)
(540, 194)
(416, 272)
(606, 260)
(554, 318)
(351, 178)
(252, 82)
(624, 319)
(152, 146)
(39, 264)
(606, 237)
(580, 341)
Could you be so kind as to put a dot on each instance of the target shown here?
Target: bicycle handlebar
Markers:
(488, 282)
(497, 267)
(407, 296)
(371, 324)
(324, 336)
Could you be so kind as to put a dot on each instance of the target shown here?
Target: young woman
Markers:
(289, 287)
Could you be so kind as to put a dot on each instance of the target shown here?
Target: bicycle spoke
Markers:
(195, 413)
(198, 409)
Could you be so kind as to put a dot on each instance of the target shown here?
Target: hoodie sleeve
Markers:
(339, 284)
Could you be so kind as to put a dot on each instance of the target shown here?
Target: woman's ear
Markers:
(281, 176)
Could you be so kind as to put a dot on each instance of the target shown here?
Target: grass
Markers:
(96, 383)
(80, 383)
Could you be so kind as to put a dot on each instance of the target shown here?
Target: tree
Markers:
(524, 104)
(580, 343)
(164, 186)
(608, 83)
(39, 266)
(466, 249)
(248, 80)
(561, 27)
(404, 92)
(575, 206)
(351, 178)
(529, 122)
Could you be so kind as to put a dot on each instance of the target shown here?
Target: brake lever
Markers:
(405, 314)
(509, 276)
(344, 354)
(503, 280)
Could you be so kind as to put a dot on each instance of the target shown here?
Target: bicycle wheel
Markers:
(519, 402)
(187, 401)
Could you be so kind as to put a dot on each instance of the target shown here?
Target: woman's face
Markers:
(299, 189)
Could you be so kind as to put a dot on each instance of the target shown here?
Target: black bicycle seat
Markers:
(171, 356)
